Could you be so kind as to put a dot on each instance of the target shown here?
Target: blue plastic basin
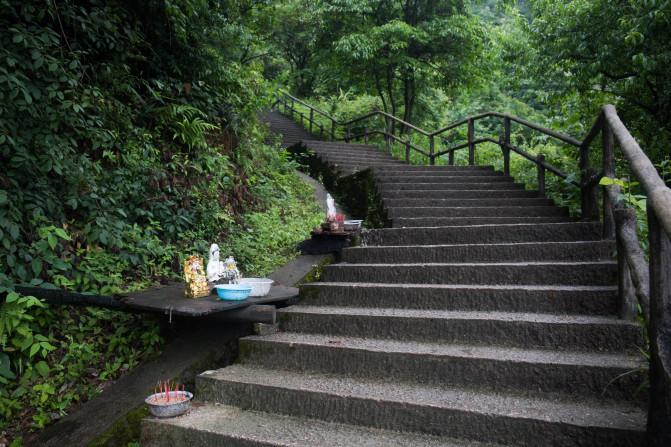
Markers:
(233, 292)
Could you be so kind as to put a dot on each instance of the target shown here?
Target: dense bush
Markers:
(128, 139)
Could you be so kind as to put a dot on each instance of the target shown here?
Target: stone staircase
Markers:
(484, 315)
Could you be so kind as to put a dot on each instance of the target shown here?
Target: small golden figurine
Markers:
(194, 276)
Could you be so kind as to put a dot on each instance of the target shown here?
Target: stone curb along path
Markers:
(484, 315)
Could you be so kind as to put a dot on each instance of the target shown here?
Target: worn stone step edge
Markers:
(573, 273)
(513, 329)
(588, 300)
(489, 417)
(480, 202)
(429, 186)
(416, 179)
(512, 252)
(476, 211)
(526, 372)
(415, 222)
(577, 231)
(215, 425)
(457, 194)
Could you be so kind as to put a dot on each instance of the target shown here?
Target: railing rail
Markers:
(640, 282)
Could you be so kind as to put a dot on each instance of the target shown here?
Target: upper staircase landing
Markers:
(290, 132)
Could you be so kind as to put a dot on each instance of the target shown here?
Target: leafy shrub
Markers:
(127, 140)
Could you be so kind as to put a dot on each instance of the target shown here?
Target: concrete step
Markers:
(214, 425)
(456, 194)
(443, 168)
(417, 202)
(583, 300)
(410, 222)
(455, 365)
(346, 151)
(337, 157)
(519, 252)
(429, 186)
(441, 411)
(416, 179)
(359, 163)
(382, 174)
(477, 211)
(512, 329)
(598, 273)
(484, 234)
(317, 144)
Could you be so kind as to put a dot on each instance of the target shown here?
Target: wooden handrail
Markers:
(316, 110)
(386, 115)
(659, 195)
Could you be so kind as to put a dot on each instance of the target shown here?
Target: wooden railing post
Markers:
(432, 147)
(505, 147)
(471, 145)
(312, 118)
(588, 190)
(541, 174)
(348, 133)
(407, 151)
(608, 171)
(387, 138)
(365, 135)
(659, 413)
(626, 222)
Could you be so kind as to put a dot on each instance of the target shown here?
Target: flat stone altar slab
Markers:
(171, 299)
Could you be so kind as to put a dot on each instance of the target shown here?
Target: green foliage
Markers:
(394, 50)
(128, 139)
(597, 51)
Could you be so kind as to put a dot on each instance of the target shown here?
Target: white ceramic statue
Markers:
(330, 208)
(231, 272)
(215, 268)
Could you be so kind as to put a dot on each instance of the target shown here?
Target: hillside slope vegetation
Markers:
(128, 139)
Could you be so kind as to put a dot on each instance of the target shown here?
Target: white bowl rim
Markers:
(256, 280)
(187, 394)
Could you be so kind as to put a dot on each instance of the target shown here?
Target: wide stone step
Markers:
(352, 163)
(346, 151)
(476, 211)
(585, 300)
(417, 202)
(360, 162)
(455, 365)
(337, 144)
(409, 178)
(459, 413)
(485, 234)
(599, 273)
(381, 175)
(512, 329)
(477, 169)
(209, 425)
(409, 222)
(428, 186)
(456, 194)
(527, 251)
(356, 157)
